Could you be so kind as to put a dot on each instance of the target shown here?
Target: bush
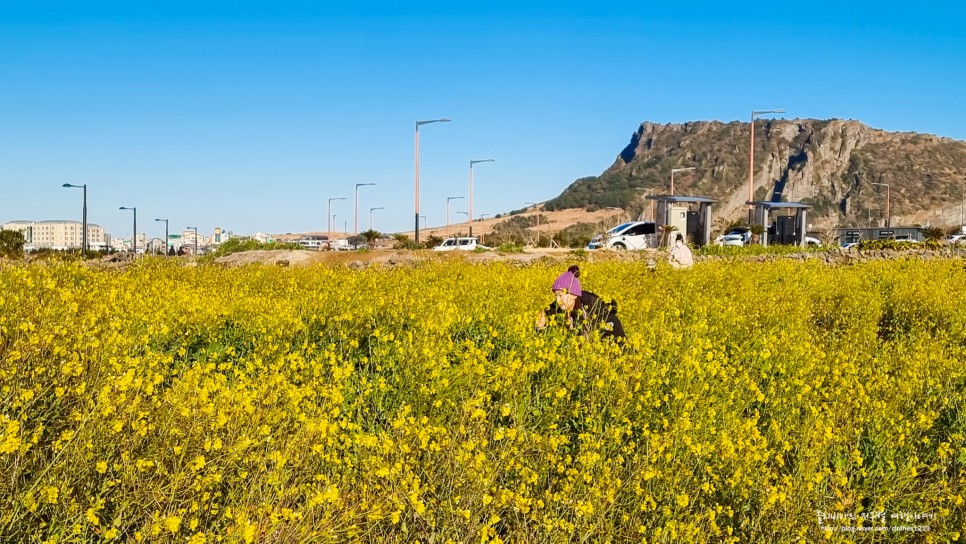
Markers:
(510, 248)
(777, 249)
(237, 245)
(11, 243)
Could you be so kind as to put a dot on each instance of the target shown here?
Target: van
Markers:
(460, 244)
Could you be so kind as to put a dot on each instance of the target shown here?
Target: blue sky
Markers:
(249, 116)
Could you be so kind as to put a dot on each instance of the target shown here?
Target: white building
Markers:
(189, 240)
(314, 242)
(124, 244)
(221, 236)
(59, 235)
(264, 238)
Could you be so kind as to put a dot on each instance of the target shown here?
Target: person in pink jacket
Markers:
(581, 310)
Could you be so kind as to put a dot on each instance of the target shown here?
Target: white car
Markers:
(460, 244)
(809, 241)
(956, 239)
(633, 235)
(741, 236)
(738, 236)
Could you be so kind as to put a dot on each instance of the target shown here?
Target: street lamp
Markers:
(165, 235)
(447, 210)
(888, 203)
(84, 218)
(134, 233)
(418, 124)
(355, 226)
(471, 189)
(331, 217)
(751, 163)
(673, 170)
(196, 240)
(370, 214)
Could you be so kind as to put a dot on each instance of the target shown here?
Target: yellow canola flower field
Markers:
(775, 402)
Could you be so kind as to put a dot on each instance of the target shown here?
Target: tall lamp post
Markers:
(332, 217)
(471, 189)
(165, 235)
(888, 203)
(134, 233)
(355, 226)
(418, 124)
(675, 170)
(370, 214)
(447, 211)
(751, 163)
(196, 240)
(83, 218)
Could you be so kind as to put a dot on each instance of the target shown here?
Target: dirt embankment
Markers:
(362, 259)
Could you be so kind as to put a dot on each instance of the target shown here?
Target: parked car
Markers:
(738, 236)
(810, 241)
(741, 236)
(460, 244)
(633, 235)
(906, 238)
(956, 239)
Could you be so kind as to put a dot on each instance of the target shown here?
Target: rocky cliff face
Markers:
(831, 165)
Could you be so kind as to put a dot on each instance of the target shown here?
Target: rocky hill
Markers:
(831, 165)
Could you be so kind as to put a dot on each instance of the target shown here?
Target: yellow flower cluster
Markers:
(262, 404)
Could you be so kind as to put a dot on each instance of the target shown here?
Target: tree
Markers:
(11, 243)
(829, 236)
(371, 236)
(933, 234)
(666, 231)
(433, 240)
(756, 232)
(403, 242)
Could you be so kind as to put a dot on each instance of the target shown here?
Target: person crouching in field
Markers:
(581, 310)
(681, 256)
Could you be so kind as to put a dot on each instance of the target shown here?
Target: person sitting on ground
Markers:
(681, 256)
(581, 310)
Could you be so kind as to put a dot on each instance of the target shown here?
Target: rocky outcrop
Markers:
(831, 164)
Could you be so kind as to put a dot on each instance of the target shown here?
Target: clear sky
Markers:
(249, 116)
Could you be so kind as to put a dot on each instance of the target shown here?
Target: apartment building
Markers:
(57, 234)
